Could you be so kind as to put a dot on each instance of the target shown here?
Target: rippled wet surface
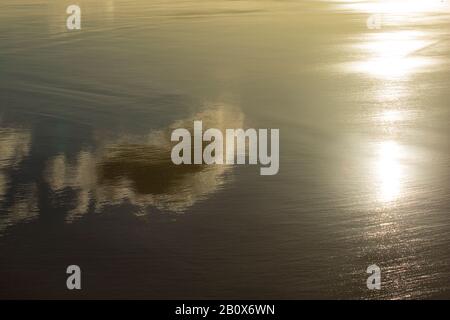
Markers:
(85, 170)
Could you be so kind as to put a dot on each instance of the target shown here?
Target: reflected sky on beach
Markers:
(85, 170)
(123, 170)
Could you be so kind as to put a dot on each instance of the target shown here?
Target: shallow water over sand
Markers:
(85, 122)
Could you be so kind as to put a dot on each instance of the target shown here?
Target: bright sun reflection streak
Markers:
(388, 171)
(389, 116)
(392, 55)
(392, 67)
(397, 7)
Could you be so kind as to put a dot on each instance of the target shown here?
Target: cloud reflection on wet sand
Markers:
(138, 170)
(14, 148)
